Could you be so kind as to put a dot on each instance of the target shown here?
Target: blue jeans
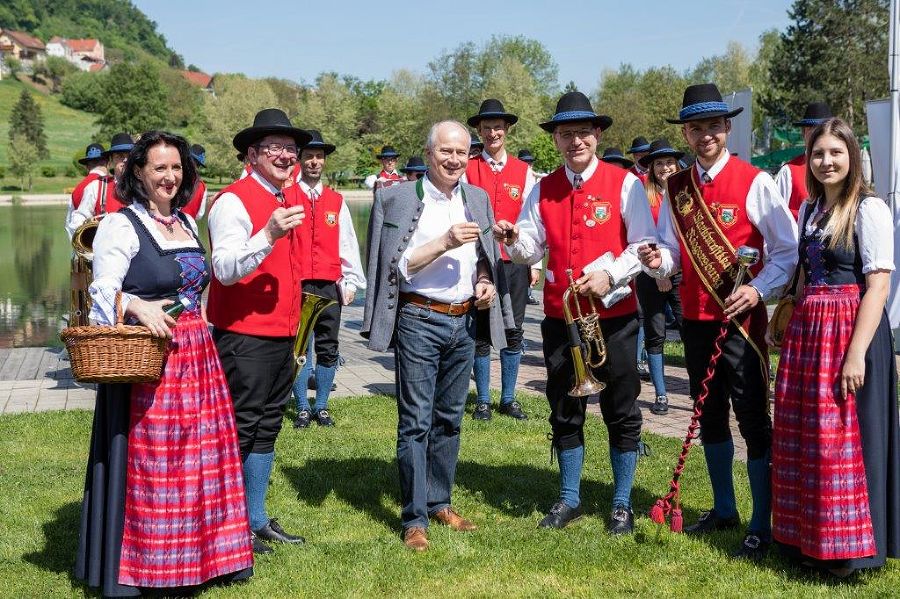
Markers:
(434, 354)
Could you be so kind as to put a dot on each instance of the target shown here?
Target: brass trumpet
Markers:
(311, 307)
(585, 342)
(82, 273)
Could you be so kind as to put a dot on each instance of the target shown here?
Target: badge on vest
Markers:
(726, 214)
(331, 218)
(600, 211)
(514, 191)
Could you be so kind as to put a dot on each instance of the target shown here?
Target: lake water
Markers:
(35, 256)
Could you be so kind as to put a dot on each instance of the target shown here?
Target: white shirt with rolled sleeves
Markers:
(86, 209)
(235, 252)
(784, 182)
(874, 228)
(450, 278)
(636, 215)
(767, 210)
(352, 276)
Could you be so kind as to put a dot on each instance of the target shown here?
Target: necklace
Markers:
(168, 223)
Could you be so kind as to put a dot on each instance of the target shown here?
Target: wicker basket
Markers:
(115, 354)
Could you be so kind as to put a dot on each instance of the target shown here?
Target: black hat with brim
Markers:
(492, 109)
(525, 156)
(615, 156)
(121, 142)
(415, 164)
(318, 143)
(660, 148)
(638, 144)
(574, 107)
(387, 152)
(816, 113)
(703, 101)
(270, 121)
(91, 153)
(476, 142)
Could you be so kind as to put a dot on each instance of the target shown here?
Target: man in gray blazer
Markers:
(432, 261)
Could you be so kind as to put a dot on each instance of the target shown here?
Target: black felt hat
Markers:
(638, 144)
(270, 121)
(121, 142)
(815, 114)
(318, 143)
(415, 164)
(492, 109)
(476, 143)
(703, 101)
(525, 155)
(91, 153)
(615, 156)
(387, 152)
(660, 148)
(574, 107)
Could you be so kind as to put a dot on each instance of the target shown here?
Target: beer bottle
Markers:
(178, 307)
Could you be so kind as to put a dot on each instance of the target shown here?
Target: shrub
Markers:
(71, 171)
(48, 171)
(83, 91)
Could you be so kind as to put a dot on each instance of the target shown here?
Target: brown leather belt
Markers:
(450, 309)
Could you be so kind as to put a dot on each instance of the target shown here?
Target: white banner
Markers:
(740, 140)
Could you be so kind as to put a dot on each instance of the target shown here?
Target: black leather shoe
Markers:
(621, 521)
(533, 301)
(259, 547)
(482, 412)
(710, 522)
(302, 419)
(753, 548)
(560, 515)
(274, 533)
(660, 407)
(323, 418)
(514, 410)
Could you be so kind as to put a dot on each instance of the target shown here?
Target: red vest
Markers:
(267, 301)
(78, 192)
(389, 176)
(319, 236)
(506, 189)
(196, 202)
(642, 175)
(726, 198)
(113, 204)
(798, 184)
(581, 226)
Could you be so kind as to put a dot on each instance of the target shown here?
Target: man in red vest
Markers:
(507, 181)
(96, 163)
(719, 204)
(330, 268)
(388, 175)
(196, 206)
(590, 216)
(254, 300)
(791, 179)
(639, 148)
(99, 196)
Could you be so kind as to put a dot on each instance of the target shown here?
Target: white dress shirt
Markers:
(235, 251)
(766, 209)
(874, 232)
(636, 215)
(352, 276)
(115, 244)
(784, 182)
(87, 207)
(451, 277)
(70, 220)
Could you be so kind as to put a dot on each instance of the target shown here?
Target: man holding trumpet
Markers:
(590, 217)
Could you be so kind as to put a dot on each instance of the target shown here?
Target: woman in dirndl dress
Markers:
(836, 438)
(164, 505)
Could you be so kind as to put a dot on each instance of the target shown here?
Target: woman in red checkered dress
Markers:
(164, 503)
(836, 439)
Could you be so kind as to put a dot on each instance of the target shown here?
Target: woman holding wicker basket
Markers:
(164, 500)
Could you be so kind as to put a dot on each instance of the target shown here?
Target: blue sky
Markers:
(299, 39)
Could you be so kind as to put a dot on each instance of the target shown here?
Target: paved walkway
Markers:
(39, 379)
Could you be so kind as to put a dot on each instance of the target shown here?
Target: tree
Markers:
(134, 100)
(23, 156)
(83, 91)
(183, 100)
(834, 50)
(27, 121)
(13, 65)
(54, 69)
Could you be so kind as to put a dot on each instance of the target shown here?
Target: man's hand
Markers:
(282, 221)
(745, 298)
(151, 315)
(460, 234)
(649, 256)
(535, 277)
(664, 285)
(484, 294)
(505, 232)
(595, 283)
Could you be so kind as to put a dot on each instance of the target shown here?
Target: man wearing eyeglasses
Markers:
(590, 216)
(254, 300)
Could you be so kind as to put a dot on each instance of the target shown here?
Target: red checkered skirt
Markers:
(185, 513)
(820, 501)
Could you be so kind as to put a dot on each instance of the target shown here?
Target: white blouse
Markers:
(874, 232)
(115, 244)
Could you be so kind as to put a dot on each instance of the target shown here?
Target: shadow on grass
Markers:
(60, 543)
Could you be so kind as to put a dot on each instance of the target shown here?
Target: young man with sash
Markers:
(330, 268)
(507, 181)
(96, 163)
(639, 148)
(590, 216)
(791, 179)
(254, 300)
(99, 196)
(711, 209)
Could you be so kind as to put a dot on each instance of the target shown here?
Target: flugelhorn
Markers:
(311, 307)
(81, 272)
(585, 342)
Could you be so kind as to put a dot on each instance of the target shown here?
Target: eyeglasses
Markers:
(274, 149)
(580, 134)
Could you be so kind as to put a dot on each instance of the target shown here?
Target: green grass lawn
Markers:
(338, 487)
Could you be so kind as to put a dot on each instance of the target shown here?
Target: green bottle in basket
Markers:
(178, 307)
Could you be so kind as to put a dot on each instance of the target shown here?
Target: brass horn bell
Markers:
(585, 342)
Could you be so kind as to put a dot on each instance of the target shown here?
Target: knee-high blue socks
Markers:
(655, 364)
(509, 372)
(257, 470)
(719, 459)
(570, 463)
(624, 463)
(482, 371)
(324, 379)
(761, 490)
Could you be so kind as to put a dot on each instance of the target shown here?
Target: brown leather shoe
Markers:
(450, 518)
(416, 538)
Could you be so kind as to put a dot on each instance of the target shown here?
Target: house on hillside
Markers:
(57, 46)
(86, 54)
(200, 79)
(22, 46)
